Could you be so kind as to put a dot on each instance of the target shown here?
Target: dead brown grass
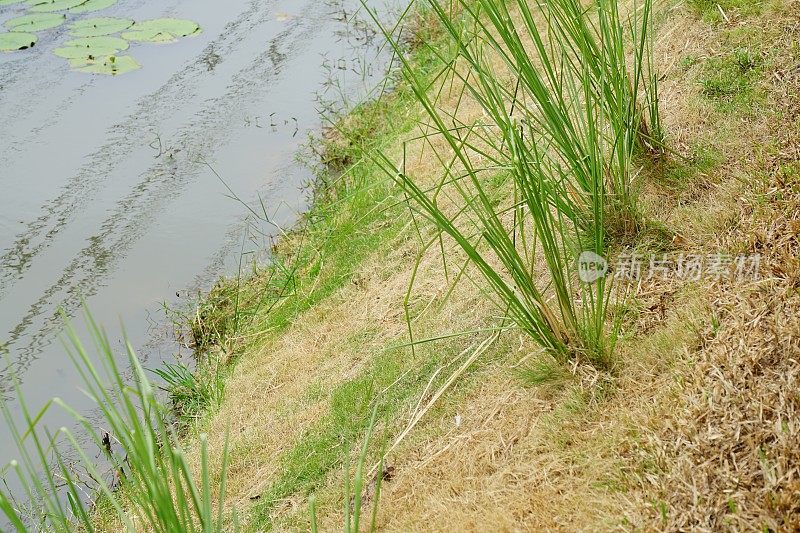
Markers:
(729, 451)
(698, 427)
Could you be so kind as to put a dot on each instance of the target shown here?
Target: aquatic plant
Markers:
(99, 26)
(14, 40)
(95, 53)
(110, 65)
(164, 30)
(89, 48)
(47, 6)
(35, 22)
(95, 50)
(92, 5)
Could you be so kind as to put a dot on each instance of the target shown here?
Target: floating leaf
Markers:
(99, 26)
(92, 5)
(161, 30)
(111, 66)
(16, 40)
(47, 6)
(90, 48)
(36, 22)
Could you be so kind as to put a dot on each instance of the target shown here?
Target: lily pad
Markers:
(90, 48)
(111, 65)
(97, 27)
(36, 22)
(48, 6)
(16, 40)
(161, 30)
(92, 5)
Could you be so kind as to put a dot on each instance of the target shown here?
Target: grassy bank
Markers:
(516, 438)
(669, 403)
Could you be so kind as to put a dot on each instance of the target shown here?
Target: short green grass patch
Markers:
(731, 81)
(715, 11)
(193, 392)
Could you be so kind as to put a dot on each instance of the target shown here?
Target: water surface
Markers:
(107, 192)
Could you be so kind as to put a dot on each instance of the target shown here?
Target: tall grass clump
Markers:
(193, 391)
(555, 102)
(152, 487)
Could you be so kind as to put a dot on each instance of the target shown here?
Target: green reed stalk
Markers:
(564, 91)
(155, 488)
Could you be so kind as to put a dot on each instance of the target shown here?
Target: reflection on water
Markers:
(106, 194)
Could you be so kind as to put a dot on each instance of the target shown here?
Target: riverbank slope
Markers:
(696, 423)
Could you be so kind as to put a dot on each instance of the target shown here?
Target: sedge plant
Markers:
(567, 102)
(152, 486)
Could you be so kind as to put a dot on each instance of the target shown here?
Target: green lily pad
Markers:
(99, 26)
(92, 5)
(161, 30)
(111, 65)
(36, 22)
(89, 48)
(16, 40)
(48, 6)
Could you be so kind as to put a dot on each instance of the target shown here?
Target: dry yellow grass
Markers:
(268, 407)
(698, 427)
(702, 424)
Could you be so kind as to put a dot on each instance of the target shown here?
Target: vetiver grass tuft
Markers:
(569, 100)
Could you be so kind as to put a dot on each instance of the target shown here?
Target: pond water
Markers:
(108, 192)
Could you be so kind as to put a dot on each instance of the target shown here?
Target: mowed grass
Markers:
(715, 11)
(357, 214)
(661, 349)
(390, 386)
